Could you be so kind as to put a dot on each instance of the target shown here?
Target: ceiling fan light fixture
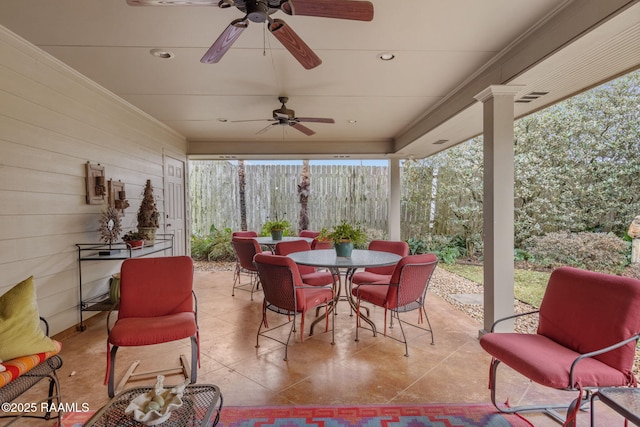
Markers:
(162, 53)
(386, 56)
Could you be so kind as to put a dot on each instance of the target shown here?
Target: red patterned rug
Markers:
(368, 416)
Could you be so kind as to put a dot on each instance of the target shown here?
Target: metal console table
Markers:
(114, 252)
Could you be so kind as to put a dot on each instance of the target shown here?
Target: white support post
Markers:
(498, 207)
(394, 199)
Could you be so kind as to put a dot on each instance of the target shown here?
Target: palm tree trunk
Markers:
(303, 194)
(243, 203)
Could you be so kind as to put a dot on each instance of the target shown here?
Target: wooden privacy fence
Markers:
(355, 193)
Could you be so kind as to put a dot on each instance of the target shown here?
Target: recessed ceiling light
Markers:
(161, 53)
(351, 122)
(223, 120)
(386, 56)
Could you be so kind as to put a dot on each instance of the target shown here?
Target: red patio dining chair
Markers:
(320, 244)
(285, 293)
(310, 275)
(405, 291)
(588, 328)
(376, 274)
(157, 305)
(244, 234)
(245, 248)
(309, 233)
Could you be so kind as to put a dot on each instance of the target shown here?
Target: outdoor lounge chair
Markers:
(589, 324)
(157, 305)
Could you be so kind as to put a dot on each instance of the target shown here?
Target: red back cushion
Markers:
(394, 247)
(151, 287)
(291, 246)
(586, 311)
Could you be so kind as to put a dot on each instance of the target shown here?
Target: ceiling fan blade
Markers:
(303, 129)
(294, 44)
(315, 120)
(264, 129)
(224, 41)
(254, 120)
(172, 2)
(341, 9)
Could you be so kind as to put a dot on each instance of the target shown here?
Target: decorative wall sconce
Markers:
(117, 196)
(95, 183)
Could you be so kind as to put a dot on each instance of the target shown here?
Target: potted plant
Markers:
(134, 239)
(344, 236)
(148, 215)
(276, 227)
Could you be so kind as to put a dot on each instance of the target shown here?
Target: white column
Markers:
(498, 208)
(394, 199)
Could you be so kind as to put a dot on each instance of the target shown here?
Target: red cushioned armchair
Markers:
(285, 293)
(245, 249)
(157, 305)
(310, 275)
(404, 291)
(376, 274)
(589, 324)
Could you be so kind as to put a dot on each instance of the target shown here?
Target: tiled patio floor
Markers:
(371, 371)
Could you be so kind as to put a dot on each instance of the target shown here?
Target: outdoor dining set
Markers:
(298, 273)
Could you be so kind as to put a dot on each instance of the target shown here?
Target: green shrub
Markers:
(446, 248)
(591, 251)
(216, 246)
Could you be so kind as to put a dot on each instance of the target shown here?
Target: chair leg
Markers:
(111, 389)
(428, 323)
(194, 359)
(404, 338)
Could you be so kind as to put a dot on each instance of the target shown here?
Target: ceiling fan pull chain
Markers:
(264, 38)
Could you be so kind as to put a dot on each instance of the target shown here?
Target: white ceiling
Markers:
(446, 53)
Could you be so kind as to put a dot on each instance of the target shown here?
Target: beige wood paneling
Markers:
(52, 121)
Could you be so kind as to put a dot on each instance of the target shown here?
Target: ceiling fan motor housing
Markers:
(257, 10)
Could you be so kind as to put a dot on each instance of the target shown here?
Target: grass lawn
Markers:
(529, 285)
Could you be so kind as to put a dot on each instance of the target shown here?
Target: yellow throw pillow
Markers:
(20, 332)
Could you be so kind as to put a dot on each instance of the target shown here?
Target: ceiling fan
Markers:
(261, 11)
(284, 116)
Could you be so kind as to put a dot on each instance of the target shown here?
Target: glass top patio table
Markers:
(270, 243)
(360, 258)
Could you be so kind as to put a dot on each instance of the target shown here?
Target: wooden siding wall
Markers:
(356, 193)
(52, 121)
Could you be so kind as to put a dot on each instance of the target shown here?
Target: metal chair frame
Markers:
(46, 369)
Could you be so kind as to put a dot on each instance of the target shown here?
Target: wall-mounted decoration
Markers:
(96, 184)
(110, 228)
(117, 196)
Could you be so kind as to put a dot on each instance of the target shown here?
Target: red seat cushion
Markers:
(546, 362)
(317, 278)
(375, 294)
(312, 297)
(370, 277)
(136, 331)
